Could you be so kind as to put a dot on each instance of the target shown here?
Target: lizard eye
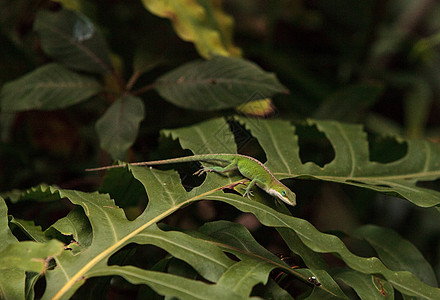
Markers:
(283, 193)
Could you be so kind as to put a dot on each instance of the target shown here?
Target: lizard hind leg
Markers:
(221, 170)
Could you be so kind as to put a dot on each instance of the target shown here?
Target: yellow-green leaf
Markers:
(200, 22)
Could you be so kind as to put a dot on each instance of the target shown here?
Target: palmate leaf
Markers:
(217, 83)
(49, 87)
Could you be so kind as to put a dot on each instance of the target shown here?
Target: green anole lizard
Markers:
(248, 166)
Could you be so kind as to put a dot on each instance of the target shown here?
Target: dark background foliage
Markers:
(370, 62)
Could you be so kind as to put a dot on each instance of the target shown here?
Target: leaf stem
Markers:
(132, 81)
(144, 89)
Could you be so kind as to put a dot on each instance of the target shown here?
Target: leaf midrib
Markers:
(417, 175)
(198, 81)
(80, 46)
(122, 241)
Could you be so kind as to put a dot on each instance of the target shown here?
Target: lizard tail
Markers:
(201, 157)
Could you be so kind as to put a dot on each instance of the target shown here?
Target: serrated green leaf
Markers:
(218, 83)
(31, 280)
(17, 257)
(273, 291)
(278, 140)
(235, 238)
(396, 252)
(112, 231)
(76, 225)
(199, 21)
(33, 231)
(312, 259)
(323, 282)
(6, 235)
(367, 286)
(37, 193)
(123, 188)
(73, 40)
(181, 246)
(404, 281)
(242, 276)
(118, 128)
(350, 103)
(351, 164)
(209, 137)
(167, 284)
(48, 87)
(12, 282)
(29, 255)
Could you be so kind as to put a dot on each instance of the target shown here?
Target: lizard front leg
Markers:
(248, 191)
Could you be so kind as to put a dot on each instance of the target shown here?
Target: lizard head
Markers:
(283, 193)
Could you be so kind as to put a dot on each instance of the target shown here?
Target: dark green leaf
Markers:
(396, 252)
(312, 259)
(404, 281)
(48, 87)
(367, 286)
(218, 83)
(167, 284)
(33, 231)
(350, 103)
(237, 240)
(118, 128)
(72, 39)
(351, 164)
(112, 231)
(76, 225)
(17, 257)
(278, 140)
(29, 255)
(273, 291)
(324, 282)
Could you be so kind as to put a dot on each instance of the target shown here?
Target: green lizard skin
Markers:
(249, 167)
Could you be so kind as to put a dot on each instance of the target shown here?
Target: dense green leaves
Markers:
(28, 256)
(367, 286)
(118, 128)
(143, 233)
(72, 39)
(48, 87)
(100, 229)
(17, 257)
(350, 103)
(351, 164)
(396, 252)
(218, 83)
